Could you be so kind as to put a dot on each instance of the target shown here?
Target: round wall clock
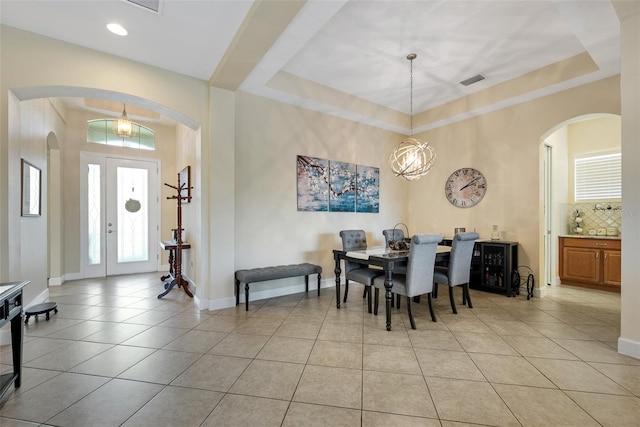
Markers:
(465, 187)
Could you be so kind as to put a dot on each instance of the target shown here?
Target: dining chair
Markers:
(354, 240)
(458, 271)
(418, 278)
(392, 234)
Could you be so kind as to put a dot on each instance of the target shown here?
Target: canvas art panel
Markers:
(367, 189)
(313, 184)
(342, 187)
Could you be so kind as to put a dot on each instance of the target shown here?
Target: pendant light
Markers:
(123, 127)
(412, 158)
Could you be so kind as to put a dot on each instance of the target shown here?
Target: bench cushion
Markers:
(277, 272)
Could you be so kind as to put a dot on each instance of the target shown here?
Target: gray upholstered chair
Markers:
(353, 240)
(459, 270)
(392, 234)
(418, 279)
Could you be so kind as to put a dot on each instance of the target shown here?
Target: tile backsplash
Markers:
(595, 215)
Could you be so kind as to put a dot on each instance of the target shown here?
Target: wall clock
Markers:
(465, 187)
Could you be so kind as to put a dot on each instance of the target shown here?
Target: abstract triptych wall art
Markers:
(332, 186)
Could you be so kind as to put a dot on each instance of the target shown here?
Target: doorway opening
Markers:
(592, 133)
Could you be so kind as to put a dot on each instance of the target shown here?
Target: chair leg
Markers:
(453, 303)
(368, 290)
(364, 293)
(466, 289)
(398, 301)
(435, 290)
(375, 303)
(413, 322)
(433, 315)
(346, 290)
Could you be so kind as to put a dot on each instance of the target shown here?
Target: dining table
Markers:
(388, 259)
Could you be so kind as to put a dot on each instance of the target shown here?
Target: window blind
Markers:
(598, 177)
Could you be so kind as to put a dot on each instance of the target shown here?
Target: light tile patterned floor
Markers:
(116, 355)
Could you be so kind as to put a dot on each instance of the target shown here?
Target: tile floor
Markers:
(116, 355)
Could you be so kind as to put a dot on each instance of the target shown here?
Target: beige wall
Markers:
(505, 146)
(31, 124)
(185, 155)
(629, 12)
(269, 230)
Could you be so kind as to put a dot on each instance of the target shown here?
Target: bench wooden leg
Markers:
(237, 292)
(246, 297)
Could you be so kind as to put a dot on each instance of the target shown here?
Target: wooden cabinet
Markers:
(593, 263)
(612, 268)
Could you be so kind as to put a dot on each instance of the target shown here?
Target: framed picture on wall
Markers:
(31, 189)
(185, 184)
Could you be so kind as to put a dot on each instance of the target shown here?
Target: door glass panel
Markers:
(133, 214)
(93, 214)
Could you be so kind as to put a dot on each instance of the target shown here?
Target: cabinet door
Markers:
(581, 264)
(612, 267)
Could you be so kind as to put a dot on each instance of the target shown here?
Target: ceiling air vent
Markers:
(153, 5)
(472, 80)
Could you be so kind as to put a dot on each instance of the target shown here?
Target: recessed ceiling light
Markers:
(117, 29)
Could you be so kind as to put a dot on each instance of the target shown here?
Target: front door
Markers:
(121, 216)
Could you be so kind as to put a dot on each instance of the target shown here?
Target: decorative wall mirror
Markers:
(31, 189)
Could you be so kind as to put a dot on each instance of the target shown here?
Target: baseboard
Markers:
(74, 276)
(5, 332)
(629, 348)
(56, 281)
(540, 292)
(260, 294)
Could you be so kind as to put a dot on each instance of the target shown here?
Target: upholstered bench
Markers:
(272, 273)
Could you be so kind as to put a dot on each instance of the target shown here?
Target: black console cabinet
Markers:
(493, 263)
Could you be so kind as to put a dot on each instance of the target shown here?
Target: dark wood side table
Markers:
(176, 279)
(11, 304)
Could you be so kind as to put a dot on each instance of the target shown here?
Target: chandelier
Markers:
(123, 127)
(412, 158)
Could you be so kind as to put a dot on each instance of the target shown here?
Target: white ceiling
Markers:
(355, 49)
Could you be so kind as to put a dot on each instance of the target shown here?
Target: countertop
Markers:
(583, 236)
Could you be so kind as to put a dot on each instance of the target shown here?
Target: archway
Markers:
(557, 149)
(187, 130)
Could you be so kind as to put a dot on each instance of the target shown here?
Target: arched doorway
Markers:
(59, 266)
(579, 136)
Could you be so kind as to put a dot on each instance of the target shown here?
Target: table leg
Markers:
(16, 348)
(171, 271)
(388, 284)
(337, 271)
(168, 287)
(185, 286)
